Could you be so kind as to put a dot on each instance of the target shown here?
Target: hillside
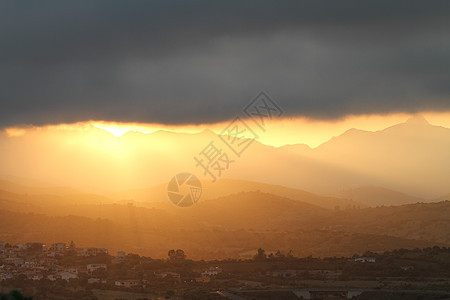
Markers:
(377, 196)
(205, 243)
(225, 187)
(421, 221)
(13, 187)
(442, 198)
(49, 204)
(410, 157)
(228, 226)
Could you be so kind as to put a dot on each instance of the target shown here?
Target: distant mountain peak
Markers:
(418, 120)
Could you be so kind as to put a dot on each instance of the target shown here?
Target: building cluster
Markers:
(37, 261)
(365, 259)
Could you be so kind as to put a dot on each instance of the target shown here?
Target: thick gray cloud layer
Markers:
(202, 61)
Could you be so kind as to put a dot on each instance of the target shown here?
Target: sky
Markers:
(198, 62)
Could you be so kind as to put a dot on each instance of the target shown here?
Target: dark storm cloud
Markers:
(202, 61)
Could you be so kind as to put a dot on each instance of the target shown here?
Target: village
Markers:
(69, 272)
(37, 261)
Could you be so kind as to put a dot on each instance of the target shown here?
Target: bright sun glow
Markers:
(119, 129)
(278, 132)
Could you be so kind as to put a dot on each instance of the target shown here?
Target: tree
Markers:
(14, 295)
(279, 254)
(261, 255)
(72, 245)
(171, 254)
(180, 254)
(176, 255)
(71, 250)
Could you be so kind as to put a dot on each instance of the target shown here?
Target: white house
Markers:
(96, 280)
(67, 275)
(95, 267)
(52, 277)
(167, 274)
(366, 259)
(212, 271)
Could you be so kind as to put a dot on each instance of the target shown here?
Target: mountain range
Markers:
(411, 158)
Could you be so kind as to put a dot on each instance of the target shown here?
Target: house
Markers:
(94, 267)
(17, 261)
(212, 271)
(51, 254)
(35, 276)
(96, 280)
(91, 251)
(67, 275)
(130, 283)
(166, 274)
(35, 246)
(68, 270)
(117, 260)
(48, 261)
(282, 273)
(366, 259)
(52, 277)
(120, 258)
(20, 246)
(5, 276)
(56, 249)
(30, 264)
(203, 279)
(13, 252)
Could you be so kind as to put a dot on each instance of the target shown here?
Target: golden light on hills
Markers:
(279, 132)
(108, 156)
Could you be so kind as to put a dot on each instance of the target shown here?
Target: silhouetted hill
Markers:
(421, 221)
(442, 198)
(206, 243)
(48, 204)
(229, 226)
(377, 196)
(224, 187)
(257, 210)
(411, 157)
(10, 186)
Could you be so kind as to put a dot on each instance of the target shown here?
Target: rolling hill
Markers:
(377, 196)
(228, 226)
(225, 187)
(17, 188)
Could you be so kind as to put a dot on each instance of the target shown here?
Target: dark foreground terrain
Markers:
(398, 274)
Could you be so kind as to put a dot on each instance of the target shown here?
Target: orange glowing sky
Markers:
(278, 132)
